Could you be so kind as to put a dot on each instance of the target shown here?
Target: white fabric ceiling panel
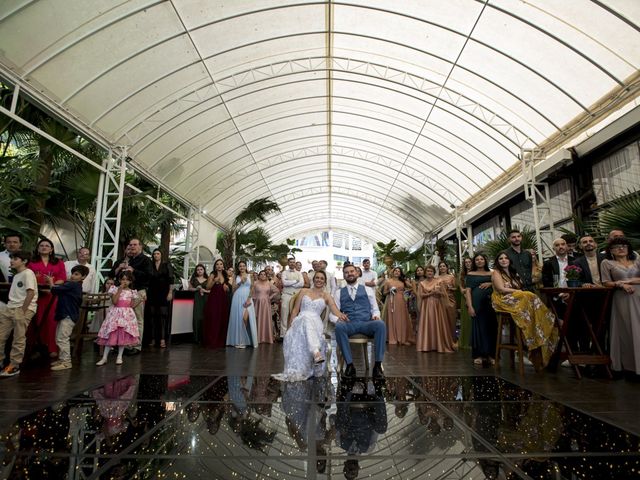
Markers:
(121, 82)
(169, 114)
(195, 133)
(291, 123)
(195, 13)
(525, 84)
(166, 91)
(549, 59)
(397, 29)
(257, 27)
(459, 15)
(47, 27)
(270, 55)
(534, 122)
(270, 138)
(605, 41)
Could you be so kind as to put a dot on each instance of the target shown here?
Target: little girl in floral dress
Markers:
(120, 327)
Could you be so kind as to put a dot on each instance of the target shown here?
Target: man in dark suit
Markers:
(590, 262)
(553, 274)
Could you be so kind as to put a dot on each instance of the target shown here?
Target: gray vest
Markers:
(358, 310)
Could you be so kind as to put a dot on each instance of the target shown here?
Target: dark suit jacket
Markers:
(550, 267)
(585, 275)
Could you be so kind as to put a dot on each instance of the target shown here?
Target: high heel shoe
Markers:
(318, 358)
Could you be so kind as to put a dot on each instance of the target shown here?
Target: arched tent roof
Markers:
(371, 116)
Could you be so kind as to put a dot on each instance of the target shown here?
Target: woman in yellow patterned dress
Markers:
(537, 323)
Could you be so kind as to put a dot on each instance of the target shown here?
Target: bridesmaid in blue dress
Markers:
(483, 317)
(242, 330)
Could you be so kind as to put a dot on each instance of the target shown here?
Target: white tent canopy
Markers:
(375, 117)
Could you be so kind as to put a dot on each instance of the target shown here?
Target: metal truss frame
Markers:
(109, 212)
(537, 193)
(464, 234)
(192, 242)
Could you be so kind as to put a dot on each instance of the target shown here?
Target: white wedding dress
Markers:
(304, 337)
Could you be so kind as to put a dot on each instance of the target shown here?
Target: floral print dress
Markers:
(537, 322)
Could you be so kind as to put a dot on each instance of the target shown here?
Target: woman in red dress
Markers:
(216, 310)
(42, 329)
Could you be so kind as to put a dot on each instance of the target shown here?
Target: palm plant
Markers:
(493, 247)
(623, 214)
(254, 212)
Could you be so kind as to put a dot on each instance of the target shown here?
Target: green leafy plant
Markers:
(493, 247)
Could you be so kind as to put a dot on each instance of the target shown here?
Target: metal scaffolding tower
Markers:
(464, 234)
(538, 194)
(109, 212)
(192, 241)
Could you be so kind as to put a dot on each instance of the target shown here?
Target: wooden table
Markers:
(589, 317)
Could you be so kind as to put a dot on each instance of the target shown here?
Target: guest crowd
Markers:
(241, 308)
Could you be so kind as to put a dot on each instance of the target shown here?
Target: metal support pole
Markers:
(110, 213)
(14, 98)
(464, 234)
(192, 245)
(537, 193)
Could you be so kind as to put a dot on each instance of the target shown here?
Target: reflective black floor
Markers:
(238, 422)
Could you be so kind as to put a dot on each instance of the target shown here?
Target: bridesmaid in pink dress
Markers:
(42, 329)
(449, 282)
(434, 329)
(396, 312)
(262, 291)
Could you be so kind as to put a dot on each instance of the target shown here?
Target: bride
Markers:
(304, 344)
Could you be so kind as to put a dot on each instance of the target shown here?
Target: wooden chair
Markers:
(514, 343)
(357, 339)
(91, 302)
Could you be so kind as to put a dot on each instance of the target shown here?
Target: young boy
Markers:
(67, 313)
(21, 308)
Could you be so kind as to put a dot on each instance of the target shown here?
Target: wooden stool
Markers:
(91, 302)
(357, 339)
(515, 340)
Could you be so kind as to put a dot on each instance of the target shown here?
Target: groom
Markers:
(363, 315)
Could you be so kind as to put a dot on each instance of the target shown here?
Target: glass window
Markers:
(617, 174)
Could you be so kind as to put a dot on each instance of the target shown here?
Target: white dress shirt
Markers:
(89, 283)
(562, 263)
(292, 281)
(351, 290)
(369, 276)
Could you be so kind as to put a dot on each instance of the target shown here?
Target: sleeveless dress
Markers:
(396, 317)
(120, 326)
(199, 301)
(434, 328)
(484, 326)
(262, 307)
(536, 321)
(238, 333)
(625, 317)
(216, 318)
(303, 338)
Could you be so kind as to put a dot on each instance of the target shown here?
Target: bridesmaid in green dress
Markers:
(464, 341)
(198, 283)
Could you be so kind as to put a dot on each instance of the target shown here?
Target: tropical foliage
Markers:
(622, 214)
(41, 182)
(401, 257)
(254, 213)
(493, 247)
